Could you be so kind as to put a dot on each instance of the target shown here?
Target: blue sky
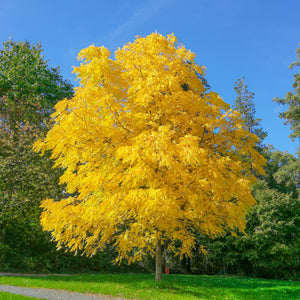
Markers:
(256, 39)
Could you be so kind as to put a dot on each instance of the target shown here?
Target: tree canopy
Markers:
(149, 154)
(29, 88)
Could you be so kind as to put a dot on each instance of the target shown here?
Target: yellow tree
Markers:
(150, 155)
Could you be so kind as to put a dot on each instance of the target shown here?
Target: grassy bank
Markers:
(143, 286)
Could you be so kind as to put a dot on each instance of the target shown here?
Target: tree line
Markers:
(29, 90)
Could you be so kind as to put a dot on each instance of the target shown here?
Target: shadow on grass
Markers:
(210, 287)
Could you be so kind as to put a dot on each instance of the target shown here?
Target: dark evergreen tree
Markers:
(244, 104)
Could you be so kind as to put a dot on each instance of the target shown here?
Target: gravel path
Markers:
(43, 293)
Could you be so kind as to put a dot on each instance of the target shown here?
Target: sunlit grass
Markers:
(9, 296)
(143, 286)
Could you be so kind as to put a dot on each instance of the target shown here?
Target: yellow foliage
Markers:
(149, 152)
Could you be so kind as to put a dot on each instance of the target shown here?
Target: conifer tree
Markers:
(244, 104)
(292, 100)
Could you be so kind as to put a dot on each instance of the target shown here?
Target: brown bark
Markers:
(158, 261)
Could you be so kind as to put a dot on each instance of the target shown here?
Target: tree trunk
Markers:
(183, 265)
(189, 266)
(158, 262)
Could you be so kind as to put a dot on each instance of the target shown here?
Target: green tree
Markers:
(29, 88)
(244, 104)
(271, 246)
(292, 100)
(273, 241)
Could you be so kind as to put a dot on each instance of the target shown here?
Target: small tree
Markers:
(150, 156)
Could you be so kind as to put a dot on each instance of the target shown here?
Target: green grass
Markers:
(9, 296)
(143, 286)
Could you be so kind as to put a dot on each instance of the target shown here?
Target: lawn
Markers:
(9, 296)
(143, 286)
